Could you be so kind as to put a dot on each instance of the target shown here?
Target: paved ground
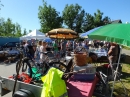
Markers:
(7, 70)
(127, 52)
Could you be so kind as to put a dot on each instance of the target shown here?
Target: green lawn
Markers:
(118, 90)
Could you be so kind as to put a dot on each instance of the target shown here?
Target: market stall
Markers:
(118, 33)
(35, 34)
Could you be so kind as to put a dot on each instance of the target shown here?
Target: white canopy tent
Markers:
(35, 34)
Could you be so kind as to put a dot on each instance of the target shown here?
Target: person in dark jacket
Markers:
(29, 50)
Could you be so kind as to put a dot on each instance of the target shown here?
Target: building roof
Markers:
(116, 21)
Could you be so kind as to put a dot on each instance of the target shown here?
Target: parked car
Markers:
(9, 45)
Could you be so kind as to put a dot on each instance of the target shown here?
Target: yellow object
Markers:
(88, 60)
(53, 85)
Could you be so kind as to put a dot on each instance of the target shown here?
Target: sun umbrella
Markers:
(48, 40)
(119, 33)
(85, 35)
(62, 33)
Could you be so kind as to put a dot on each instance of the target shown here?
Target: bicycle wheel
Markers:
(25, 67)
(59, 65)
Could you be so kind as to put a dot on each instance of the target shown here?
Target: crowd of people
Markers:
(34, 50)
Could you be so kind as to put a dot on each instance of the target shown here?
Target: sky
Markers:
(25, 12)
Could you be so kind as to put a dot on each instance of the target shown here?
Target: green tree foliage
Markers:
(106, 20)
(96, 20)
(88, 23)
(18, 30)
(49, 18)
(8, 28)
(73, 17)
(25, 31)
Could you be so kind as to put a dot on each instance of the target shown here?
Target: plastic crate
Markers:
(84, 76)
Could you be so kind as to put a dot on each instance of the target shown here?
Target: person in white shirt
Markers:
(83, 43)
(42, 49)
(37, 52)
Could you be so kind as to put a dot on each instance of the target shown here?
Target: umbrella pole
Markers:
(115, 75)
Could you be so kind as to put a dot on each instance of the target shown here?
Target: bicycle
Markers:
(24, 62)
(47, 63)
(23, 59)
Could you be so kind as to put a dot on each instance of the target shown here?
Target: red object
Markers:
(25, 77)
(81, 89)
(106, 65)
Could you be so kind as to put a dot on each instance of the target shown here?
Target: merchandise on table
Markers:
(87, 74)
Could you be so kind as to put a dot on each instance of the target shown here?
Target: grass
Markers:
(125, 47)
(118, 89)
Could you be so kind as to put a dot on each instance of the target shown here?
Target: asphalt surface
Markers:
(7, 70)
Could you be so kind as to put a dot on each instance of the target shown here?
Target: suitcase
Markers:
(23, 93)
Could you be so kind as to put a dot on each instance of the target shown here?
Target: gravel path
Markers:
(127, 52)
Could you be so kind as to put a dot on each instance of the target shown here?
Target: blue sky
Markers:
(25, 12)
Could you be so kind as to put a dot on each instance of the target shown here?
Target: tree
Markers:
(1, 5)
(18, 30)
(30, 31)
(106, 20)
(88, 23)
(25, 31)
(8, 28)
(98, 18)
(2, 22)
(73, 16)
(49, 18)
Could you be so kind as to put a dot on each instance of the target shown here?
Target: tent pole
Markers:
(115, 75)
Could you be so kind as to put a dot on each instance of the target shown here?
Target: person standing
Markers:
(83, 43)
(28, 50)
(37, 52)
(42, 50)
(63, 48)
(55, 46)
(86, 45)
(112, 57)
(113, 53)
(74, 44)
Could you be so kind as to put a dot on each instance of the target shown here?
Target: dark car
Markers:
(9, 45)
